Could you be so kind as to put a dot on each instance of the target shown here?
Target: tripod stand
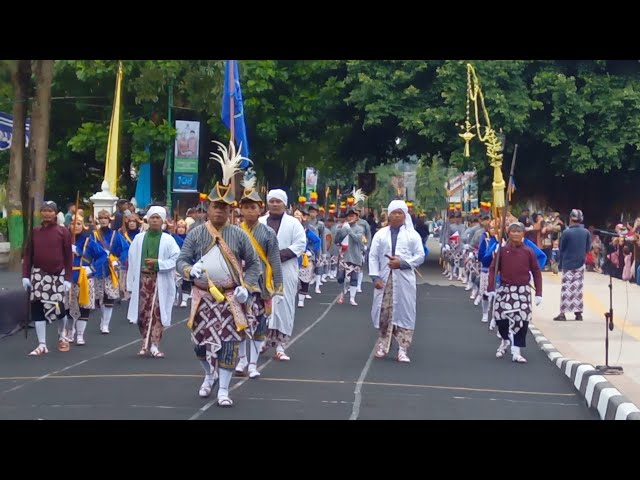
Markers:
(607, 369)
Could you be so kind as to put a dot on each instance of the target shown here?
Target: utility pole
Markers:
(169, 154)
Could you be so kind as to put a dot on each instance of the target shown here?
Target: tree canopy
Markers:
(574, 121)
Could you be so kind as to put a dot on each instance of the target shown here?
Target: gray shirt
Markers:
(356, 247)
(575, 243)
(199, 241)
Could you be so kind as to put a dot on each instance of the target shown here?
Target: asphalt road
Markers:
(332, 374)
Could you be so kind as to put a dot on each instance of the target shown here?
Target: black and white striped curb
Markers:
(597, 391)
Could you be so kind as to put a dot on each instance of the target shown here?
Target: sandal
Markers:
(380, 352)
(224, 401)
(157, 354)
(519, 359)
(341, 300)
(206, 387)
(403, 357)
(283, 357)
(142, 353)
(63, 345)
(39, 350)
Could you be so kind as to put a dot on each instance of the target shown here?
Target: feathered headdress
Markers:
(230, 161)
(358, 196)
(249, 183)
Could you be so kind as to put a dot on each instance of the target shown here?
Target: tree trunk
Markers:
(21, 79)
(41, 110)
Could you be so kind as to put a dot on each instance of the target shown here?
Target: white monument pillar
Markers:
(104, 200)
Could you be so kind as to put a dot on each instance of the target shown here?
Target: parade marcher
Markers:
(130, 228)
(212, 256)
(292, 241)
(575, 243)
(107, 283)
(151, 281)
(306, 261)
(512, 305)
(47, 274)
(331, 248)
(335, 249)
(318, 227)
(88, 258)
(352, 237)
(358, 201)
(184, 286)
(396, 251)
(265, 243)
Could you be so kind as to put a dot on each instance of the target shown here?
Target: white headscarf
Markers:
(279, 194)
(156, 211)
(400, 205)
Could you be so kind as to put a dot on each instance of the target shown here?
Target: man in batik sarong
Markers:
(396, 251)
(516, 262)
(265, 242)
(151, 281)
(212, 256)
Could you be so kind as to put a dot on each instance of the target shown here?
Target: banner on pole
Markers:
(311, 180)
(6, 131)
(185, 167)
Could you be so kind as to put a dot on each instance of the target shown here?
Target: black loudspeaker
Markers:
(367, 182)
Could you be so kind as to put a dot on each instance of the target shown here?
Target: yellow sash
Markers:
(112, 269)
(83, 286)
(83, 279)
(269, 271)
(112, 257)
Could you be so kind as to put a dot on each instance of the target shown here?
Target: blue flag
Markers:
(240, 131)
(6, 131)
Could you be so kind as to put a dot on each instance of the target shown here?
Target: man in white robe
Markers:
(292, 241)
(396, 251)
(151, 281)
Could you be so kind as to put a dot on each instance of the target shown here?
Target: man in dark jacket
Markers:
(575, 243)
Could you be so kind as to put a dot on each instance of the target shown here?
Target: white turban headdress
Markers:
(400, 205)
(157, 211)
(279, 194)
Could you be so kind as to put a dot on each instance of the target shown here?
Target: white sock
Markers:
(360, 277)
(71, 324)
(106, 315)
(62, 325)
(318, 279)
(485, 306)
(255, 350)
(81, 325)
(280, 348)
(352, 292)
(301, 297)
(206, 366)
(41, 331)
(515, 350)
(242, 350)
(185, 297)
(225, 380)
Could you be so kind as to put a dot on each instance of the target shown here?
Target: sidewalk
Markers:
(585, 341)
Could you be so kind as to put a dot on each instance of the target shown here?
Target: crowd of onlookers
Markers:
(614, 248)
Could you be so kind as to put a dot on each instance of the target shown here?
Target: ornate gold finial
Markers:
(467, 137)
(486, 134)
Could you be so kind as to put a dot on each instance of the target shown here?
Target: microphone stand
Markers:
(607, 369)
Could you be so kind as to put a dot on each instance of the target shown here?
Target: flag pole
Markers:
(232, 122)
(232, 88)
